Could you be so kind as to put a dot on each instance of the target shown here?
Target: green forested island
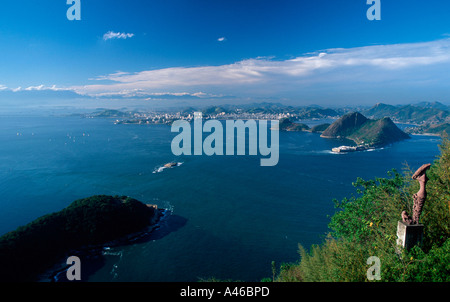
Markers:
(35, 247)
(285, 124)
(364, 131)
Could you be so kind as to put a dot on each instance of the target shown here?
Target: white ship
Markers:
(345, 149)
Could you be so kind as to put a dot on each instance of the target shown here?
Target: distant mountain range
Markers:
(300, 112)
(421, 113)
(435, 105)
(361, 130)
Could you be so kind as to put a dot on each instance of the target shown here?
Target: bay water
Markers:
(230, 217)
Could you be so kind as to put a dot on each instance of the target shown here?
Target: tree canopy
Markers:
(30, 249)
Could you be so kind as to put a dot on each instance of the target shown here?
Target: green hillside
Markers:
(320, 128)
(415, 114)
(286, 125)
(361, 130)
(436, 129)
(31, 249)
(345, 126)
(378, 132)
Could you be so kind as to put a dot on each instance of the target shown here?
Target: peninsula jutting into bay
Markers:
(32, 249)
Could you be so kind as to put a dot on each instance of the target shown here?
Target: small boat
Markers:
(170, 165)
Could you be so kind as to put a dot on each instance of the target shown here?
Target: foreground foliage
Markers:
(365, 225)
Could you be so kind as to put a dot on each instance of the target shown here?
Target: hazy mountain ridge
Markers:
(421, 113)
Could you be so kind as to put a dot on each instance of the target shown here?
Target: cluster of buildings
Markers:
(168, 118)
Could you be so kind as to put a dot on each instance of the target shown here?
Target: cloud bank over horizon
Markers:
(396, 71)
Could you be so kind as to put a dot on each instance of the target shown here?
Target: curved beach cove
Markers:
(230, 217)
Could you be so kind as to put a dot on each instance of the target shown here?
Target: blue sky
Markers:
(298, 52)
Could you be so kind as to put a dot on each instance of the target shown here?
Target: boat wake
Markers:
(159, 169)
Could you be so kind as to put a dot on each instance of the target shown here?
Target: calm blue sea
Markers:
(230, 217)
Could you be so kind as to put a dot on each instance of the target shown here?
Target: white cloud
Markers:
(117, 35)
(375, 70)
(331, 70)
(40, 87)
(221, 39)
(36, 88)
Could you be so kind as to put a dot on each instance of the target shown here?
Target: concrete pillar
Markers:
(409, 235)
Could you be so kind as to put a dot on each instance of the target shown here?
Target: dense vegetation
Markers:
(286, 125)
(320, 128)
(433, 129)
(345, 125)
(365, 225)
(378, 132)
(32, 248)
